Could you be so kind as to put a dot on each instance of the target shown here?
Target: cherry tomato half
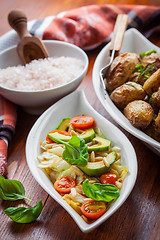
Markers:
(82, 122)
(108, 178)
(64, 184)
(93, 209)
(59, 131)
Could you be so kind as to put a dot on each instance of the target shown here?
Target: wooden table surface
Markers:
(138, 218)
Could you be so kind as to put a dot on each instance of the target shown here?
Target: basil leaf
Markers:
(11, 190)
(100, 192)
(24, 215)
(76, 151)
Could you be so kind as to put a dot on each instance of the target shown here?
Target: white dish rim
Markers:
(29, 156)
(110, 106)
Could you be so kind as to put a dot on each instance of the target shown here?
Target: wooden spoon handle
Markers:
(18, 21)
(118, 34)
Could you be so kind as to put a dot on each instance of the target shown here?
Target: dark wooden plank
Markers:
(138, 218)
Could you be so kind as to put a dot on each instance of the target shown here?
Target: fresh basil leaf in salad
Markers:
(11, 190)
(24, 215)
(147, 53)
(76, 151)
(100, 192)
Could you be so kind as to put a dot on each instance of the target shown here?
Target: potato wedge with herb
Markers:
(120, 70)
(141, 73)
(157, 122)
(155, 99)
(127, 93)
(152, 59)
(153, 130)
(152, 84)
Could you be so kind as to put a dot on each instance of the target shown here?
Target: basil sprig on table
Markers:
(100, 192)
(76, 151)
(24, 215)
(11, 190)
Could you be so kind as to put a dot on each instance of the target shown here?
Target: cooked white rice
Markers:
(41, 74)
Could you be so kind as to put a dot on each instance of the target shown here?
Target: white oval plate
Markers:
(135, 42)
(73, 105)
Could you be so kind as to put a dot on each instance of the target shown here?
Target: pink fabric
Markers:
(89, 26)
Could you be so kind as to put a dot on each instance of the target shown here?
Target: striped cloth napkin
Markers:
(8, 116)
(86, 27)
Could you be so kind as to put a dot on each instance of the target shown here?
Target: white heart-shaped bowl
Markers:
(73, 105)
(134, 42)
(36, 101)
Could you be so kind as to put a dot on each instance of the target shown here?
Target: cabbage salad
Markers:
(83, 165)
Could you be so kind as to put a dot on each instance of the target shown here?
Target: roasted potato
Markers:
(127, 93)
(149, 64)
(134, 77)
(139, 113)
(153, 130)
(121, 68)
(155, 99)
(152, 84)
(157, 122)
(152, 59)
(138, 77)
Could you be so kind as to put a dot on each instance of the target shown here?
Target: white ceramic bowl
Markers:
(135, 42)
(73, 105)
(37, 101)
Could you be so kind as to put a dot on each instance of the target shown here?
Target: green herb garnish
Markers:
(129, 84)
(76, 151)
(100, 192)
(143, 71)
(138, 68)
(146, 69)
(147, 53)
(24, 215)
(11, 190)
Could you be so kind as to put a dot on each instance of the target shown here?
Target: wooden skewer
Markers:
(118, 34)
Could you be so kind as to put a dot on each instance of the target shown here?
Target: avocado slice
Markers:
(64, 124)
(96, 169)
(99, 144)
(55, 135)
(87, 135)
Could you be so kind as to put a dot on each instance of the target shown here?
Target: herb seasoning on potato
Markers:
(133, 82)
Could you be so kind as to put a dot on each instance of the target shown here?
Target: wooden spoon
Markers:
(29, 47)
